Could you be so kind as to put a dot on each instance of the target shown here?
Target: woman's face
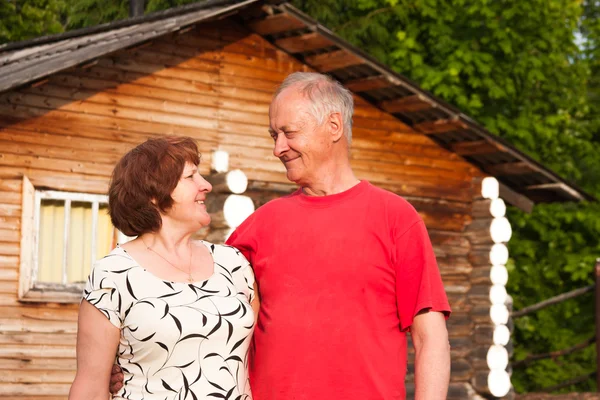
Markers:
(188, 199)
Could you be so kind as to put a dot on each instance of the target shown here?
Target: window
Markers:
(64, 233)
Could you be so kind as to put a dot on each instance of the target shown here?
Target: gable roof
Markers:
(522, 178)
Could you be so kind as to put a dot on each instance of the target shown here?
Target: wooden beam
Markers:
(406, 104)
(475, 147)
(557, 186)
(518, 200)
(333, 60)
(513, 168)
(366, 84)
(302, 43)
(440, 126)
(277, 23)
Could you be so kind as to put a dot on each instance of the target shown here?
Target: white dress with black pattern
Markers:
(178, 340)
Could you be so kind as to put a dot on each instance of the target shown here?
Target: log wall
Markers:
(213, 83)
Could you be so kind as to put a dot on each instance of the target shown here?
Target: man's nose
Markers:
(281, 146)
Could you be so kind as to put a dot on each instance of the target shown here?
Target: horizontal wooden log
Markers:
(480, 294)
(302, 43)
(10, 185)
(8, 261)
(475, 148)
(277, 23)
(513, 168)
(8, 249)
(24, 389)
(367, 84)
(31, 325)
(28, 351)
(440, 126)
(10, 338)
(400, 160)
(411, 103)
(9, 274)
(484, 334)
(333, 60)
(46, 312)
(480, 313)
(176, 83)
(10, 235)
(10, 197)
(33, 377)
(92, 168)
(12, 223)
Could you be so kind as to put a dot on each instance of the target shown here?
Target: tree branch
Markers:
(552, 300)
(570, 382)
(553, 354)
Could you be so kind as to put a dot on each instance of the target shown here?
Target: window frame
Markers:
(29, 289)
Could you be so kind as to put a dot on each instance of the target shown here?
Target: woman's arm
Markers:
(97, 343)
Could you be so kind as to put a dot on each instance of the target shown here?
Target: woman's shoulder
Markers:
(225, 255)
(115, 261)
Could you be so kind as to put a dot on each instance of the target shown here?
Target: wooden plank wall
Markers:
(213, 83)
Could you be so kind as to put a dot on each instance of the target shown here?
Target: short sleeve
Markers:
(101, 292)
(418, 281)
(245, 278)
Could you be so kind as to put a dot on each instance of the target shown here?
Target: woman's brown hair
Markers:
(143, 180)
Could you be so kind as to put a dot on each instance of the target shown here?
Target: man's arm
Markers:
(432, 356)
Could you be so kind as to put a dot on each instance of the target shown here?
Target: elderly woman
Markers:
(177, 314)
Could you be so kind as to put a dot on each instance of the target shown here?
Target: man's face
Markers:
(299, 142)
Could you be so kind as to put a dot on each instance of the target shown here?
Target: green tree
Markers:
(26, 19)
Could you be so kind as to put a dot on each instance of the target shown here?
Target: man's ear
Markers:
(336, 126)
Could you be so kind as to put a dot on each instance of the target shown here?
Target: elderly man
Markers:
(344, 268)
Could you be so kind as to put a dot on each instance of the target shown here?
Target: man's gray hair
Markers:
(326, 95)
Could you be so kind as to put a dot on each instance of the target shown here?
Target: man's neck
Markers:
(331, 183)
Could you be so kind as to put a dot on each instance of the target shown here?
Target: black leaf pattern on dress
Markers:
(229, 392)
(168, 295)
(193, 335)
(216, 328)
(235, 358)
(185, 366)
(211, 355)
(166, 310)
(166, 386)
(186, 385)
(163, 346)
(230, 333)
(238, 344)
(176, 323)
(219, 395)
(236, 269)
(148, 338)
(217, 386)
(232, 312)
(168, 284)
(199, 376)
(129, 289)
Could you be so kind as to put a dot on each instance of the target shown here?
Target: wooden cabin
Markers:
(72, 104)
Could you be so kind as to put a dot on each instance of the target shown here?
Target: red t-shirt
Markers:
(340, 279)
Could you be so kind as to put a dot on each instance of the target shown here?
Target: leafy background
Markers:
(528, 70)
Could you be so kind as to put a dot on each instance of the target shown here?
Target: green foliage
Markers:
(84, 13)
(26, 19)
